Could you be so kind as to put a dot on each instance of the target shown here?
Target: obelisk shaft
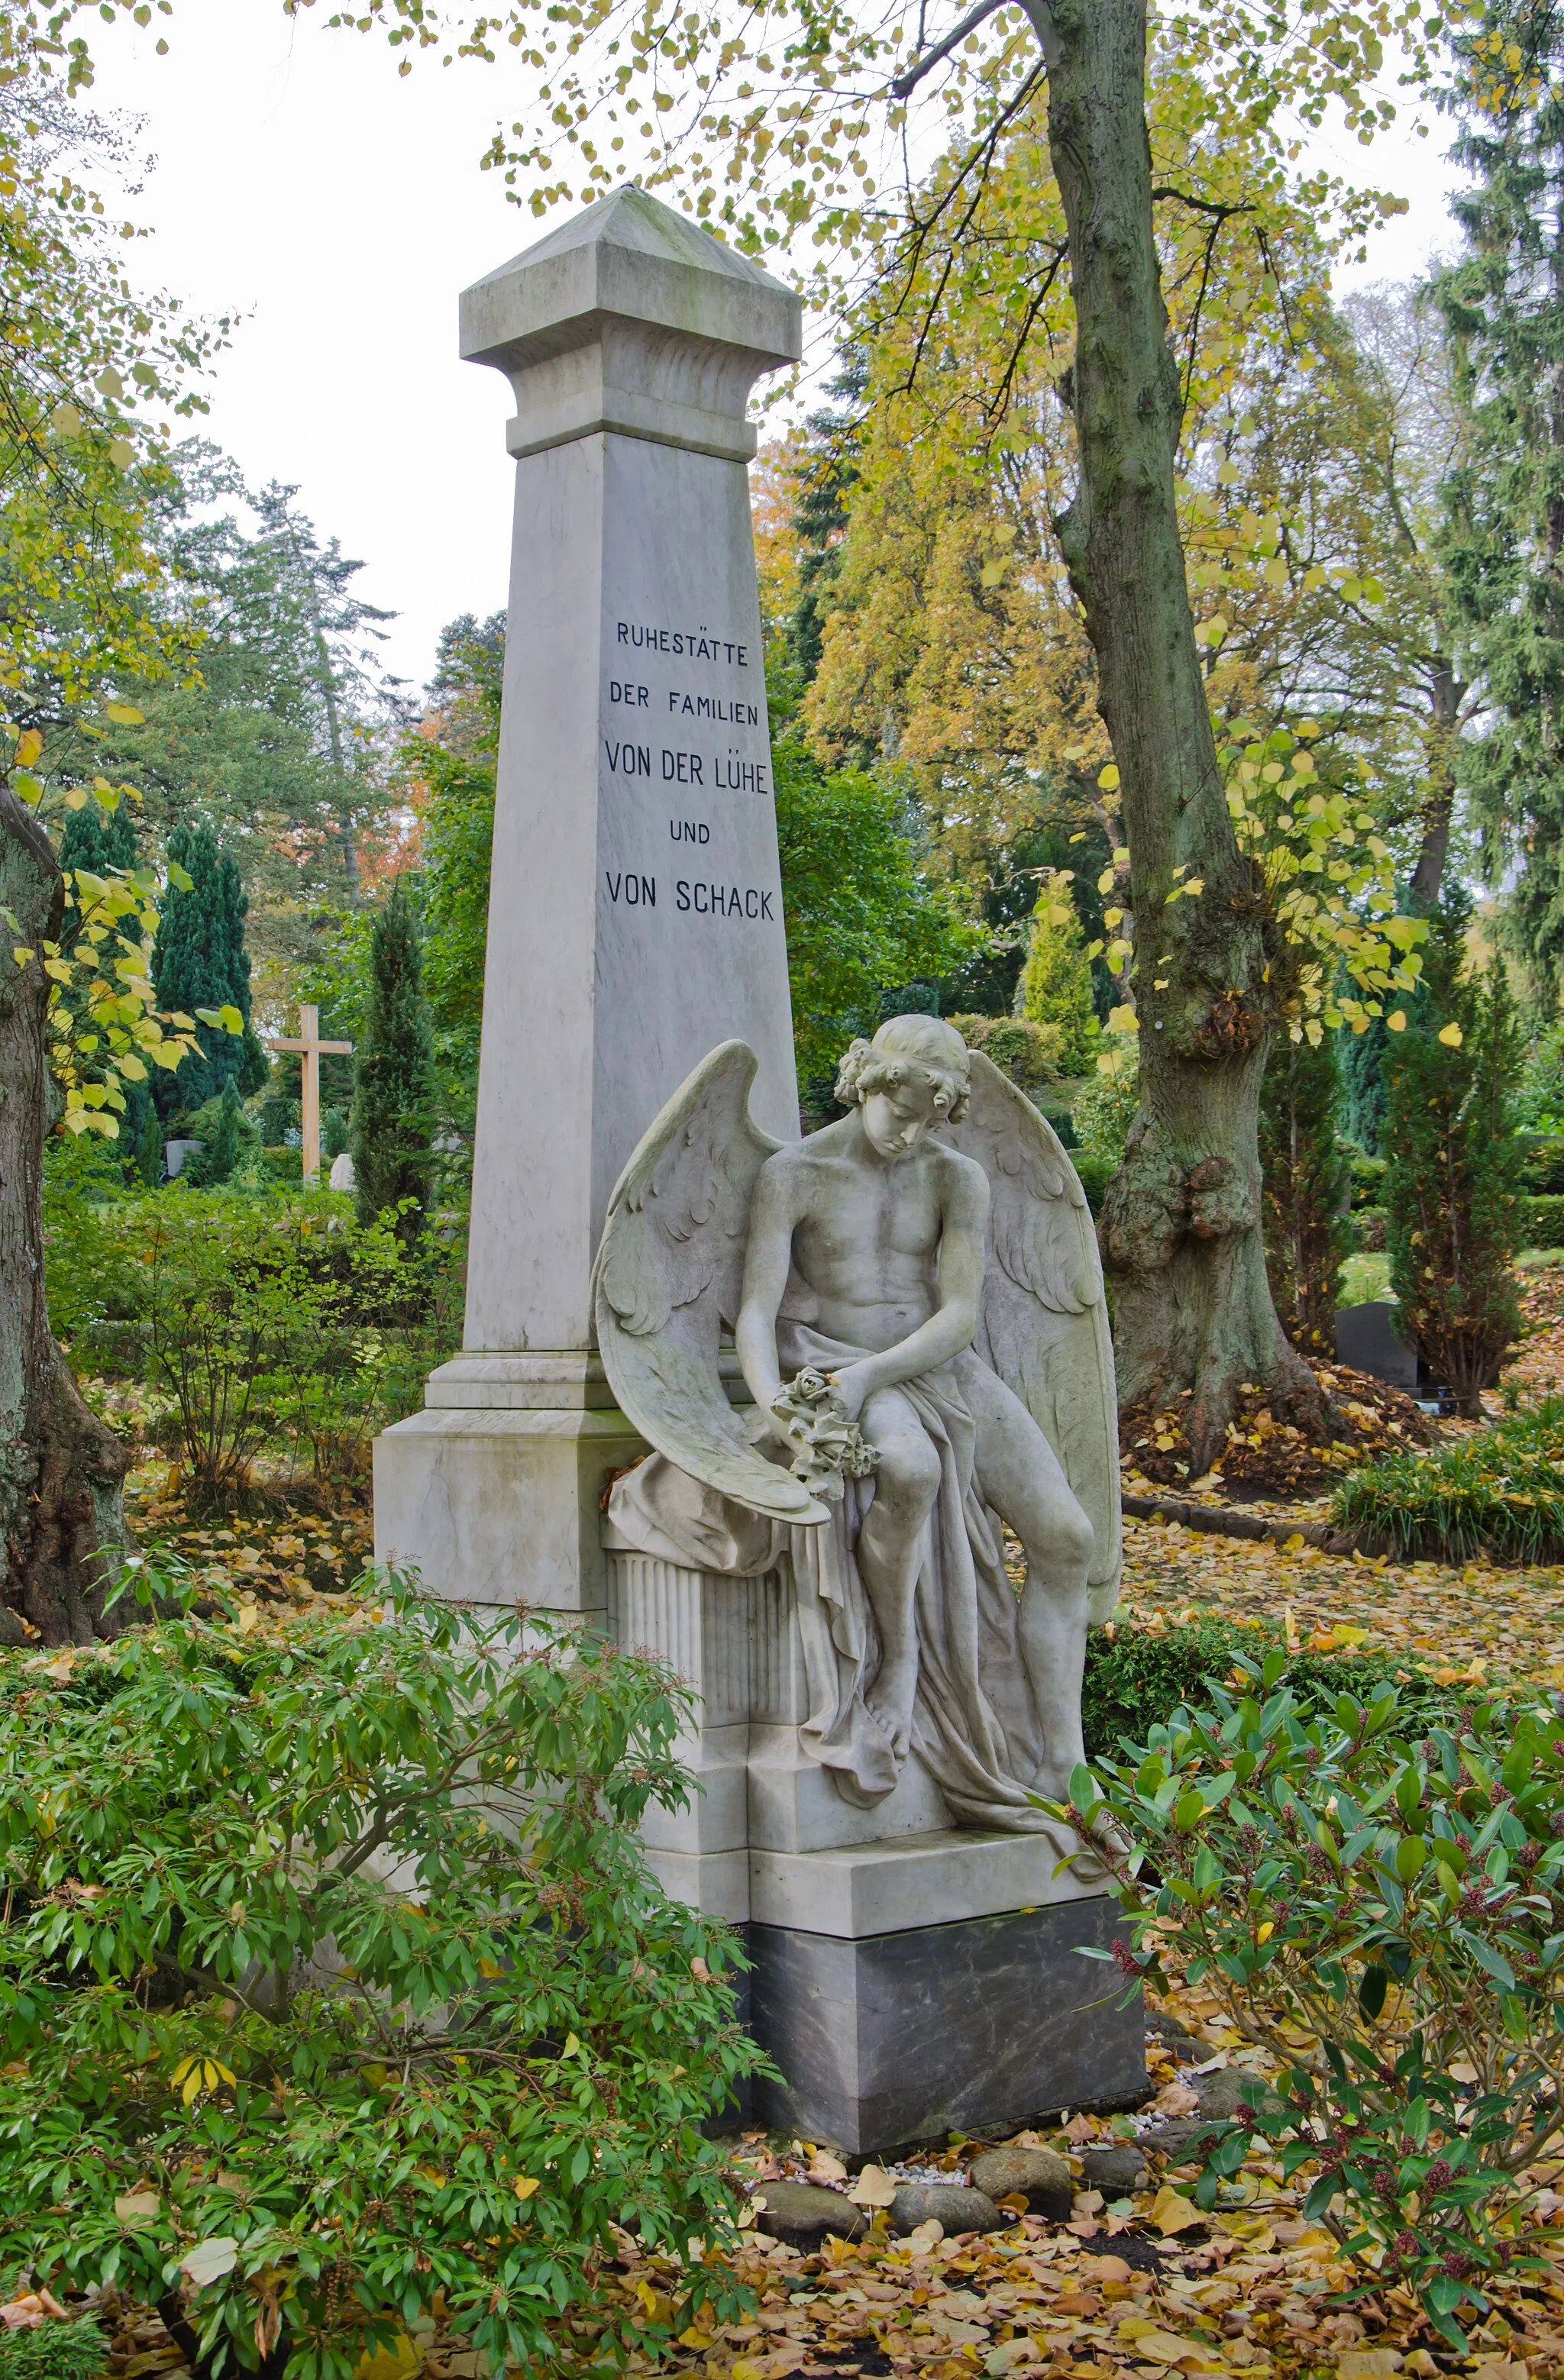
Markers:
(636, 914)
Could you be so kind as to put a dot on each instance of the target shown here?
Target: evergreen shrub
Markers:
(1542, 1222)
(1305, 1188)
(394, 1094)
(1454, 1161)
(1376, 1895)
(332, 1980)
(1055, 989)
(1368, 1226)
(1029, 1052)
(1138, 1676)
(1096, 1172)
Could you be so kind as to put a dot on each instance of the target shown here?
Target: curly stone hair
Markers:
(922, 1047)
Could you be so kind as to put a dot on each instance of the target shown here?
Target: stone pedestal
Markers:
(911, 1978)
(635, 918)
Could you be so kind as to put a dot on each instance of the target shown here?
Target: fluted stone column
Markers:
(635, 912)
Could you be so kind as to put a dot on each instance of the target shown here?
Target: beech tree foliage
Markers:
(780, 120)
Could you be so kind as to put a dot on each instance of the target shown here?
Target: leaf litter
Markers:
(1143, 2288)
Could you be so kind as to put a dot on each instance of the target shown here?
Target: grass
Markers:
(1500, 1493)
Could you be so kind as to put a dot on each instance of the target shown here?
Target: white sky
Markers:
(302, 184)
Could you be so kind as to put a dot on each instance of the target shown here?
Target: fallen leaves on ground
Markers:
(287, 1550)
(1267, 1455)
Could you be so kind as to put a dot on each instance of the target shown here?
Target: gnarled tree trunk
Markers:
(62, 1518)
(1180, 1229)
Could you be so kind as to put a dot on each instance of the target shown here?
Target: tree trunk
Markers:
(1446, 694)
(1180, 1229)
(62, 1515)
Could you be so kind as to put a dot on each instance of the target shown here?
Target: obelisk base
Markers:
(977, 2027)
(493, 1493)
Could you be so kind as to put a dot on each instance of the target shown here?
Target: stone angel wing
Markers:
(667, 1279)
(1044, 1323)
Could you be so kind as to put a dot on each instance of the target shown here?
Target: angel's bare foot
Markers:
(890, 1700)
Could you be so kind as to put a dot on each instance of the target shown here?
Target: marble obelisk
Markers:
(635, 913)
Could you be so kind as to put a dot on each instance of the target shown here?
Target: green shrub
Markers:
(1451, 1190)
(1381, 1906)
(282, 1165)
(1029, 1052)
(55, 2350)
(1499, 1492)
(1542, 1222)
(1368, 1226)
(266, 1324)
(1095, 1173)
(1304, 1186)
(1136, 1677)
(331, 1976)
(1054, 990)
(1368, 1179)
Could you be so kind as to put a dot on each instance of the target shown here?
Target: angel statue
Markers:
(915, 1300)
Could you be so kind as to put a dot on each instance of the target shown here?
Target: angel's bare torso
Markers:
(865, 1233)
(886, 1229)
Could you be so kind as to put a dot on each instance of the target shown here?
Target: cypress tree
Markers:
(200, 961)
(1452, 1209)
(212, 1164)
(1306, 1185)
(1056, 982)
(1503, 304)
(394, 1073)
(149, 1148)
(98, 843)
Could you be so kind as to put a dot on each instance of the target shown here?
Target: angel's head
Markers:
(912, 1075)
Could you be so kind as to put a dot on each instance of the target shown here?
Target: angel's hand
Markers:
(852, 1385)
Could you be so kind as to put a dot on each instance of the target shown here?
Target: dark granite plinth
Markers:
(975, 2027)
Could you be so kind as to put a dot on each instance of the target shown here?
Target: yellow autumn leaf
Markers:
(525, 2185)
(125, 714)
(1451, 1036)
(29, 746)
(1172, 2212)
(1397, 1021)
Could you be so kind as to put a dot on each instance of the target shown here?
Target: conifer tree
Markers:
(1056, 982)
(212, 1164)
(1452, 1202)
(1504, 547)
(200, 961)
(394, 1073)
(149, 1150)
(1305, 1184)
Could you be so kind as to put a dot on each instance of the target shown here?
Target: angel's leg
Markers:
(906, 1480)
(1019, 1474)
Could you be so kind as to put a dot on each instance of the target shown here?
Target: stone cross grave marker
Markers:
(636, 914)
(308, 1046)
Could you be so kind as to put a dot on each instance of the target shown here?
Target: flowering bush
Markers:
(334, 1992)
(1381, 1907)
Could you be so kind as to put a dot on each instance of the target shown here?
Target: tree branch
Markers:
(908, 81)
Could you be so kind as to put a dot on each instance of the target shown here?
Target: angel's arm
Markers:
(767, 1259)
(953, 1323)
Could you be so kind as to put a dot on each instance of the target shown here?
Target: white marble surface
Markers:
(636, 912)
(501, 1507)
(908, 1880)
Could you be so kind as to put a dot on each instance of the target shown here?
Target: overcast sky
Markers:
(339, 209)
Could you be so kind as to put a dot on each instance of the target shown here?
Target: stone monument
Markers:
(636, 915)
(808, 1523)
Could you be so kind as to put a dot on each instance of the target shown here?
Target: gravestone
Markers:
(910, 1976)
(636, 914)
(1367, 1340)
